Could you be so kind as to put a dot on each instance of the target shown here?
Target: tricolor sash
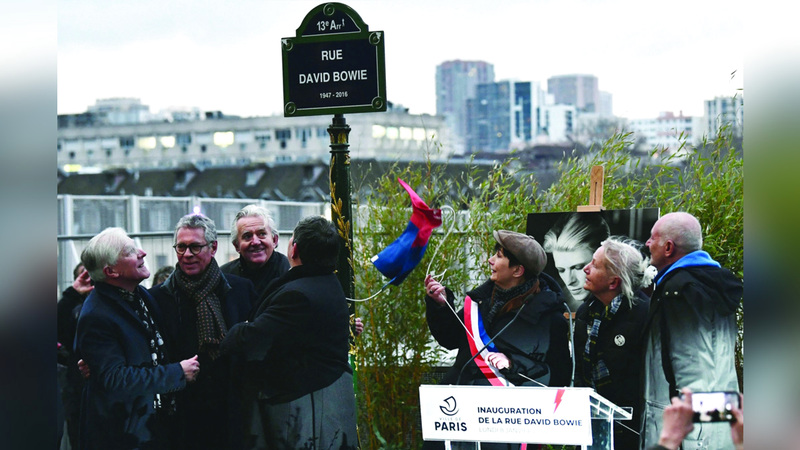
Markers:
(477, 339)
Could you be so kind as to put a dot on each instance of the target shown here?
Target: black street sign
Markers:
(334, 65)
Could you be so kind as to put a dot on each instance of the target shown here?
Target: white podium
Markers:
(542, 415)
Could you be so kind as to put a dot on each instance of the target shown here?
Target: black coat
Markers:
(619, 345)
(208, 410)
(69, 309)
(274, 268)
(297, 341)
(117, 409)
(537, 343)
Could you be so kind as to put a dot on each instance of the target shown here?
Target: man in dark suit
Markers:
(200, 304)
(127, 401)
(299, 384)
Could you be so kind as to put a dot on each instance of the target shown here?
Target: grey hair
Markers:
(197, 221)
(575, 231)
(684, 230)
(252, 210)
(624, 259)
(104, 250)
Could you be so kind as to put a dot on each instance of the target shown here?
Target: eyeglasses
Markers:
(194, 248)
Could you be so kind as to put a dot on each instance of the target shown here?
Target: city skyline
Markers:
(227, 56)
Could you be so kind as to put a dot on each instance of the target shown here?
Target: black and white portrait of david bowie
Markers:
(571, 238)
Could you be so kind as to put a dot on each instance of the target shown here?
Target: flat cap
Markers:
(524, 248)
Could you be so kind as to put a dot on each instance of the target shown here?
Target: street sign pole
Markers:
(341, 205)
(335, 65)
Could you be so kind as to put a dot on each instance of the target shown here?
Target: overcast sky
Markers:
(651, 56)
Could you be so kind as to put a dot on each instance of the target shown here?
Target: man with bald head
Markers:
(690, 332)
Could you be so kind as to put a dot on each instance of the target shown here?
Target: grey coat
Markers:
(696, 305)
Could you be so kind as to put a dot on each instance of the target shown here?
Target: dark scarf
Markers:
(504, 300)
(201, 291)
(262, 275)
(597, 373)
(157, 355)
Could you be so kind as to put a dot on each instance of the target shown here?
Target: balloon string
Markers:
(433, 257)
(438, 247)
(371, 296)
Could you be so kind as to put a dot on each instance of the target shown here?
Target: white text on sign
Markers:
(325, 77)
(330, 55)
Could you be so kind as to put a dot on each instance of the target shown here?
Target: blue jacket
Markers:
(117, 409)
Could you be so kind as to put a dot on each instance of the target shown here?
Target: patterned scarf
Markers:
(210, 321)
(502, 296)
(597, 372)
(157, 355)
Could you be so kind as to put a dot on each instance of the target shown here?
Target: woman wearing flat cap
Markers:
(518, 312)
(519, 309)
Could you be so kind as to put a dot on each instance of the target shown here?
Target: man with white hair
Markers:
(690, 332)
(128, 400)
(297, 386)
(255, 237)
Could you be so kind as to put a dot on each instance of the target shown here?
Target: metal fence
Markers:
(151, 221)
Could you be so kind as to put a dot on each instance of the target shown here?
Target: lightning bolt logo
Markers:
(557, 401)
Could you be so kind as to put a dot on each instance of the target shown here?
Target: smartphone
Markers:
(714, 406)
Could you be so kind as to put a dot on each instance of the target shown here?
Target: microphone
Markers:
(461, 372)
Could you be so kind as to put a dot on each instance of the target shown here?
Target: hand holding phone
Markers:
(706, 407)
(714, 406)
(677, 421)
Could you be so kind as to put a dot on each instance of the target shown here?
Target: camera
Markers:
(714, 406)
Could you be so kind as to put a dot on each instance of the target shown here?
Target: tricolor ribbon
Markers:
(477, 339)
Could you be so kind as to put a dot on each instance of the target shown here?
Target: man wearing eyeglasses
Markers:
(201, 304)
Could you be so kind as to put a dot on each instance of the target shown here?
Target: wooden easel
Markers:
(596, 179)
(595, 191)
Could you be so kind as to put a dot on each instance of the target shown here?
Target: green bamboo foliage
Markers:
(395, 352)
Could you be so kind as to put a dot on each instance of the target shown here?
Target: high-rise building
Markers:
(501, 115)
(606, 108)
(668, 131)
(580, 91)
(724, 111)
(512, 114)
(456, 82)
(557, 122)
